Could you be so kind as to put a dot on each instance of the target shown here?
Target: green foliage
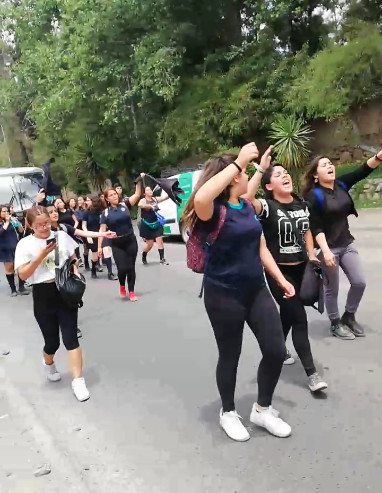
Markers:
(340, 78)
(291, 137)
(114, 87)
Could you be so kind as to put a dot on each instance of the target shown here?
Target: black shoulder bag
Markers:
(312, 284)
(71, 286)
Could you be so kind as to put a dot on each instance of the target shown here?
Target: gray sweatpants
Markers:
(348, 259)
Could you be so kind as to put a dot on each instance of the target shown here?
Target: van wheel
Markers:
(184, 233)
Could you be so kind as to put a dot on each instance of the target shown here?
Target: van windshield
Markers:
(20, 190)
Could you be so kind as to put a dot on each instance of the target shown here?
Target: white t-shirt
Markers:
(28, 248)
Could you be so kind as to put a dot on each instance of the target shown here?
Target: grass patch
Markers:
(341, 169)
(368, 204)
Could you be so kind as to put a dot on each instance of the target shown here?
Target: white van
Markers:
(171, 212)
(19, 186)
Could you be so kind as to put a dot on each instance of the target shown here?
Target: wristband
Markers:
(237, 166)
(377, 158)
(260, 170)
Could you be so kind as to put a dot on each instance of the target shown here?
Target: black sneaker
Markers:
(164, 261)
(79, 333)
(112, 277)
(99, 268)
(349, 320)
(24, 292)
(339, 330)
(94, 275)
(14, 294)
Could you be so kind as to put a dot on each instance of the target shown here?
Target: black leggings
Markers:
(227, 313)
(52, 314)
(125, 251)
(293, 314)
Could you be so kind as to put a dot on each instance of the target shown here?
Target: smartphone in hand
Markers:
(50, 241)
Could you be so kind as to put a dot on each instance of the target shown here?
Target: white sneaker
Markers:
(289, 360)
(79, 389)
(268, 419)
(231, 424)
(51, 372)
(316, 383)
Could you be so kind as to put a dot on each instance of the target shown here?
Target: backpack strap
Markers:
(211, 238)
(57, 252)
(319, 196)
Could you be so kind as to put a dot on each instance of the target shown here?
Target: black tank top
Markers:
(148, 214)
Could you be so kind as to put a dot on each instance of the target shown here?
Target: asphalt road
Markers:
(151, 425)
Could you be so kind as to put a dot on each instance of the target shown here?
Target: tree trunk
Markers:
(132, 109)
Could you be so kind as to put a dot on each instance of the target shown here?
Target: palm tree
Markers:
(88, 165)
(291, 137)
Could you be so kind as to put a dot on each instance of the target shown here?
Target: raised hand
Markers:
(40, 196)
(248, 153)
(266, 158)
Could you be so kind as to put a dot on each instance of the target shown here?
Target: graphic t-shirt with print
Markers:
(28, 248)
(280, 221)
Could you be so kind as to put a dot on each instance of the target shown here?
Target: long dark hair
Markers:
(97, 204)
(1, 208)
(211, 168)
(68, 202)
(55, 202)
(309, 179)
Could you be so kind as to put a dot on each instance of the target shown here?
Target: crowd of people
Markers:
(253, 271)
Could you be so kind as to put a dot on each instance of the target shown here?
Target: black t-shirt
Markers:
(235, 256)
(8, 237)
(68, 230)
(79, 213)
(118, 219)
(92, 219)
(149, 214)
(330, 215)
(280, 222)
(66, 217)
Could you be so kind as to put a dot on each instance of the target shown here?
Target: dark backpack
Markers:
(198, 245)
(70, 286)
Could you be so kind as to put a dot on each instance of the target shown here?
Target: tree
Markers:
(151, 82)
(291, 137)
(340, 78)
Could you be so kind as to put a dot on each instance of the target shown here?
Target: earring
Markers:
(316, 180)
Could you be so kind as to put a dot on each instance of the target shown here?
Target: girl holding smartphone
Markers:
(35, 261)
